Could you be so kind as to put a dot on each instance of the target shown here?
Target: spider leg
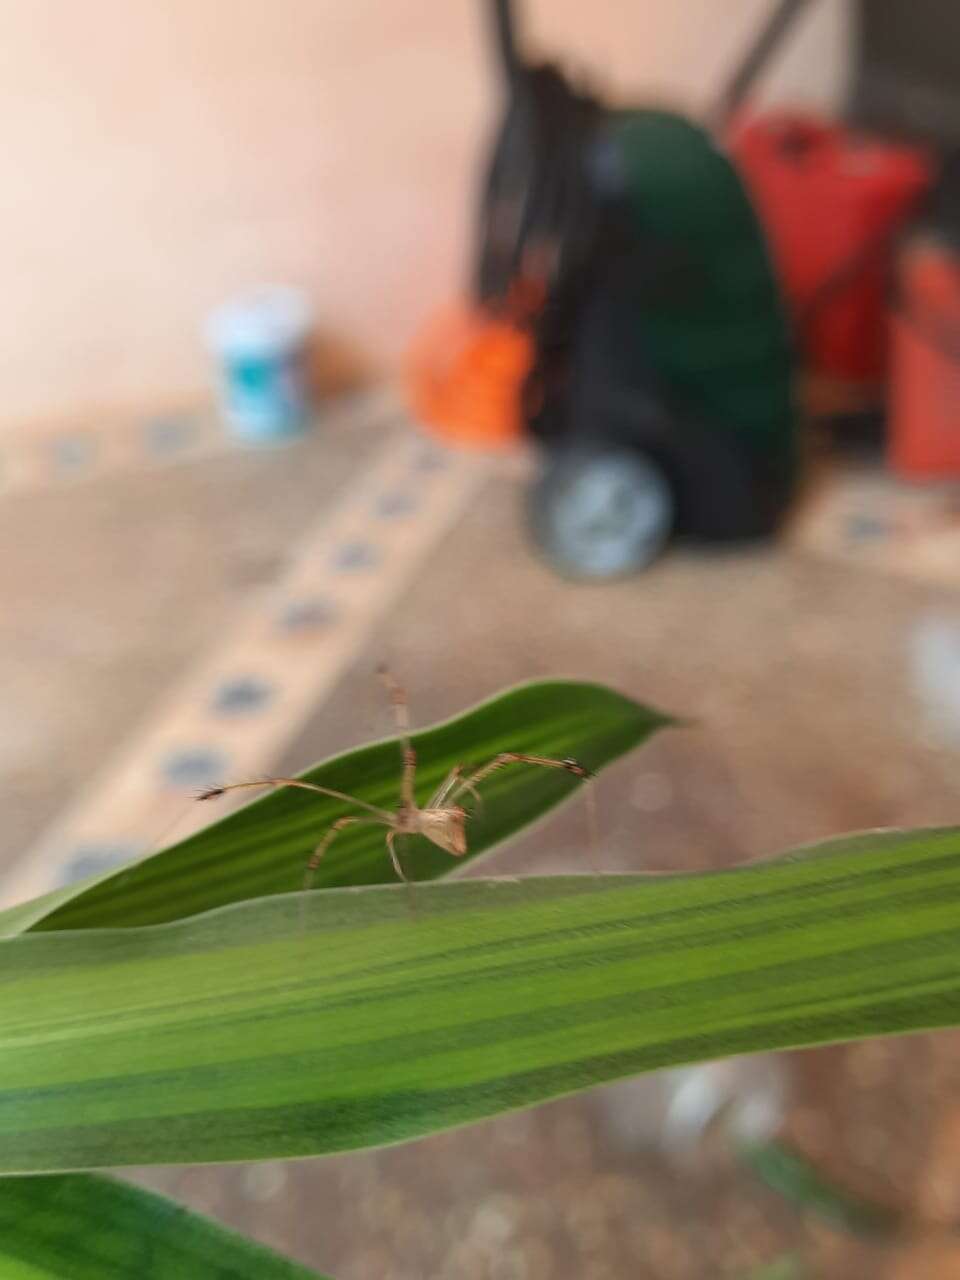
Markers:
(324, 844)
(318, 853)
(570, 765)
(394, 858)
(213, 792)
(593, 827)
(401, 713)
(445, 787)
(451, 781)
(398, 868)
(518, 757)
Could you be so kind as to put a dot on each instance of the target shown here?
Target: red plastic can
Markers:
(831, 201)
(924, 431)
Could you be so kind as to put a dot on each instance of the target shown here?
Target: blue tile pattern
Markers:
(863, 527)
(309, 613)
(350, 557)
(429, 459)
(73, 455)
(241, 696)
(194, 767)
(165, 437)
(392, 506)
(93, 858)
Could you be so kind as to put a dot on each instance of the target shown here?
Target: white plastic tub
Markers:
(260, 344)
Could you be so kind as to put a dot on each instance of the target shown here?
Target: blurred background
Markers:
(499, 341)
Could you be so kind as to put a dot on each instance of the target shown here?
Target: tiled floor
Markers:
(278, 656)
(821, 706)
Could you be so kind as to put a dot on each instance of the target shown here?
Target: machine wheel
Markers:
(599, 514)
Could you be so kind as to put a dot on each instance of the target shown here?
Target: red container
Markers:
(831, 202)
(924, 431)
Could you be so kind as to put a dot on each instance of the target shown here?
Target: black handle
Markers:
(756, 58)
(504, 31)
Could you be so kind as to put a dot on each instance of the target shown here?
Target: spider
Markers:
(443, 820)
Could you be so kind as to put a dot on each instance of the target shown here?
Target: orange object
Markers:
(465, 375)
(925, 392)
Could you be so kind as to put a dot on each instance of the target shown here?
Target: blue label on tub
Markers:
(264, 395)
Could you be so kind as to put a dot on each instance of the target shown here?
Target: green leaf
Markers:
(93, 1228)
(303, 1024)
(263, 849)
(797, 1180)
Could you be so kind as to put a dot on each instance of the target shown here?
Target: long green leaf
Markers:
(303, 1024)
(799, 1181)
(263, 848)
(93, 1228)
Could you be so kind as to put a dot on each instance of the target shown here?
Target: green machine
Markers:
(661, 385)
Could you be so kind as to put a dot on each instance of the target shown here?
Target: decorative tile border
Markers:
(232, 715)
(42, 456)
(864, 516)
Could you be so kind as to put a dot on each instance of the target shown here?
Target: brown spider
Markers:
(443, 821)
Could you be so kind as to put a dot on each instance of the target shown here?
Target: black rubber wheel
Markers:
(598, 514)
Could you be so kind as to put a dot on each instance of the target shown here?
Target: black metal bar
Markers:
(504, 30)
(755, 59)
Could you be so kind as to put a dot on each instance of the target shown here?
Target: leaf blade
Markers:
(237, 1036)
(98, 1228)
(263, 848)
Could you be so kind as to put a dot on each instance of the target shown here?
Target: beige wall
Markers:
(160, 154)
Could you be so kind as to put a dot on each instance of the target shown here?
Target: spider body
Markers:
(442, 821)
(446, 827)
